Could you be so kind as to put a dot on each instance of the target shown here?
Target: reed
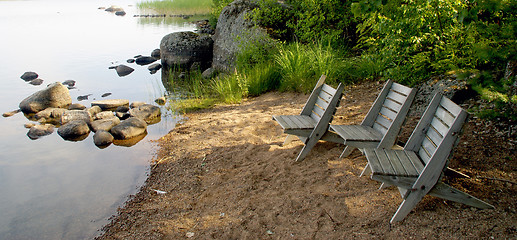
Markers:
(188, 7)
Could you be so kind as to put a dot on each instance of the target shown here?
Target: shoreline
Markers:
(224, 174)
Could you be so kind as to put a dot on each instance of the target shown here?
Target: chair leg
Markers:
(306, 149)
(407, 205)
(289, 139)
(366, 170)
(347, 151)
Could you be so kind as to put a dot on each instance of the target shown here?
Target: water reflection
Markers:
(56, 189)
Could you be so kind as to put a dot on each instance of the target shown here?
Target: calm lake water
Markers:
(56, 189)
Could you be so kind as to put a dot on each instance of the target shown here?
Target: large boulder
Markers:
(234, 29)
(55, 95)
(129, 128)
(146, 112)
(180, 50)
(74, 130)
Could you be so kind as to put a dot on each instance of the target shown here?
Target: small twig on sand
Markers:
(159, 161)
(498, 179)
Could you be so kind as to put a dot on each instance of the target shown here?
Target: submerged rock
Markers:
(129, 128)
(36, 82)
(50, 114)
(38, 131)
(156, 53)
(29, 76)
(123, 70)
(69, 83)
(76, 106)
(74, 130)
(154, 67)
(55, 95)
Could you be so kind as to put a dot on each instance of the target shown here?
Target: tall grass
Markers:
(191, 7)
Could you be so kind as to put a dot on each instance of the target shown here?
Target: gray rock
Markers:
(74, 130)
(83, 97)
(104, 124)
(114, 8)
(94, 110)
(105, 94)
(122, 115)
(136, 104)
(38, 131)
(160, 100)
(154, 67)
(75, 115)
(156, 53)
(55, 95)
(234, 29)
(36, 82)
(146, 112)
(11, 113)
(76, 106)
(120, 13)
(29, 76)
(123, 70)
(102, 138)
(209, 73)
(144, 60)
(104, 115)
(122, 109)
(110, 103)
(50, 114)
(69, 83)
(129, 128)
(130, 60)
(182, 49)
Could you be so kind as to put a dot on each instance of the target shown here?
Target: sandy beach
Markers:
(224, 174)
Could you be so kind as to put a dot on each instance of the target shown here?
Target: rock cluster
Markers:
(112, 120)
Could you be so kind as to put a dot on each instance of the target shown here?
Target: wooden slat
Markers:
(322, 104)
(434, 135)
(392, 105)
(450, 106)
(315, 116)
(318, 110)
(401, 88)
(368, 133)
(429, 146)
(397, 97)
(330, 90)
(348, 133)
(373, 160)
(444, 115)
(383, 121)
(396, 163)
(379, 128)
(384, 161)
(415, 160)
(406, 162)
(424, 155)
(325, 96)
(439, 126)
(357, 133)
(388, 113)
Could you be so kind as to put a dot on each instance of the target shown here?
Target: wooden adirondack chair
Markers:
(417, 169)
(382, 124)
(312, 123)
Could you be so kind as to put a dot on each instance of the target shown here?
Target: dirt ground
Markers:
(225, 175)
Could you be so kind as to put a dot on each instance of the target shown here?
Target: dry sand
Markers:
(227, 176)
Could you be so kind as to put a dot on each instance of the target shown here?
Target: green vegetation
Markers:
(353, 40)
(190, 7)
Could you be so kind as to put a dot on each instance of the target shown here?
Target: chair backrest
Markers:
(389, 110)
(320, 99)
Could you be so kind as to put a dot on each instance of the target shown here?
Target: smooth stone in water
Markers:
(29, 76)
(69, 83)
(76, 115)
(129, 128)
(74, 130)
(156, 53)
(36, 82)
(105, 94)
(146, 112)
(50, 114)
(55, 95)
(104, 124)
(123, 70)
(11, 113)
(136, 104)
(104, 115)
(144, 60)
(76, 106)
(155, 66)
(102, 138)
(38, 131)
(94, 110)
(29, 125)
(120, 13)
(130, 61)
(83, 97)
(110, 103)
